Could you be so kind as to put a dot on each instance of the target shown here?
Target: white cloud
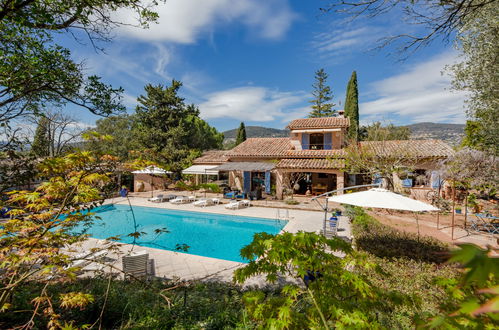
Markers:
(422, 93)
(341, 38)
(257, 104)
(182, 21)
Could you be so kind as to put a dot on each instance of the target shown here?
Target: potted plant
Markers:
(336, 212)
(458, 209)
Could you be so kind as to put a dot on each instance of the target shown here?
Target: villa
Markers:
(311, 159)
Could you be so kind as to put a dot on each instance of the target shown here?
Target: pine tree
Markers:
(41, 140)
(352, 107)
(321, 105)
(241, 134)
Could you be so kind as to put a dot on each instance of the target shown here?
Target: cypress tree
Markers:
(352, 107)
(321, 105)
(241, 134)
(41, 140)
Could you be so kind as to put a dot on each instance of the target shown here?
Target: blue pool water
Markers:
(210, 235)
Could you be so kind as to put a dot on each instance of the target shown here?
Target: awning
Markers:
(152, 170)
(245, 166)
(201, 169)
(383, 199)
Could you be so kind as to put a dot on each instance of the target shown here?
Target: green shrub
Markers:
(386, 242)
(184, 186)
(132, 304)
(213, 187)
(291, 202)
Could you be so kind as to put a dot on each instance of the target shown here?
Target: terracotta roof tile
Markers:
(262, 147)
(315, 164)
(411, 148)
(323, 122)
(212, 157)
(277, 148)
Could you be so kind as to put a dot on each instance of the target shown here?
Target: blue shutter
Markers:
(305, 141)
(407, 183)
(267, 182)
(247, 182)
(328, 141)
(436, 182)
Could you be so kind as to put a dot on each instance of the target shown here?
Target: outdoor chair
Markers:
(168, 198)
(84, 259)
(216, 201)
(180, 200)
(135, 265)
(204, 203)
(234, 205)
(485, 223)
(158, 199)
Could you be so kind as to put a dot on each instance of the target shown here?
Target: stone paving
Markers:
(184, 266)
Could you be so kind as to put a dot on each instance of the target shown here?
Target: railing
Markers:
(322, 146)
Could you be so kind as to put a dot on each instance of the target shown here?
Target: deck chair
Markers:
(84, 259)
(158, 199)
(180, 200)
(483, 223)
(203, 203)
(233, 205)
(135, 265)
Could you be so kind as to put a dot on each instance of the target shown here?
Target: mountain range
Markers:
(450, 133)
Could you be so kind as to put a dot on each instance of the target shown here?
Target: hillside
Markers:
(257, 131)
(451, 133)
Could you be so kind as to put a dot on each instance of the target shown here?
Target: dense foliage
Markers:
(352, 107)
(377, 132)
(241, 134)
(42, 224)
(478, 44)
(138, 305)
(170, 131)
(322, 105)
(36, 72)
(123, 136)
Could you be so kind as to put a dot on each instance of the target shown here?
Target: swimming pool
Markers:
(207, 234)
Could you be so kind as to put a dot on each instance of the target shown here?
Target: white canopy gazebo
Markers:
(152, 171)
(383, 199)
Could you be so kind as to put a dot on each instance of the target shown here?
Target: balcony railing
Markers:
(322, 146)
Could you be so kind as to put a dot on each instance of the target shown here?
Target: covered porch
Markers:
(251, 178)
(309, 176)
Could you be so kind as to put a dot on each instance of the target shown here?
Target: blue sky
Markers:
(254, 61)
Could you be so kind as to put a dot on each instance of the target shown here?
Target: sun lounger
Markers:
(135, 264)
(216, 201)
(158, 199)
(237, 205)
(485, 223)
(191, 198)
(86, 258)
(180, 200)
(204, 203)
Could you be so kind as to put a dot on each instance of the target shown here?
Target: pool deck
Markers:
(183, 266)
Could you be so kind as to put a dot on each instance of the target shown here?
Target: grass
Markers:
(407, 264)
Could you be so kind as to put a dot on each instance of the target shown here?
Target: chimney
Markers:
(341, 113)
